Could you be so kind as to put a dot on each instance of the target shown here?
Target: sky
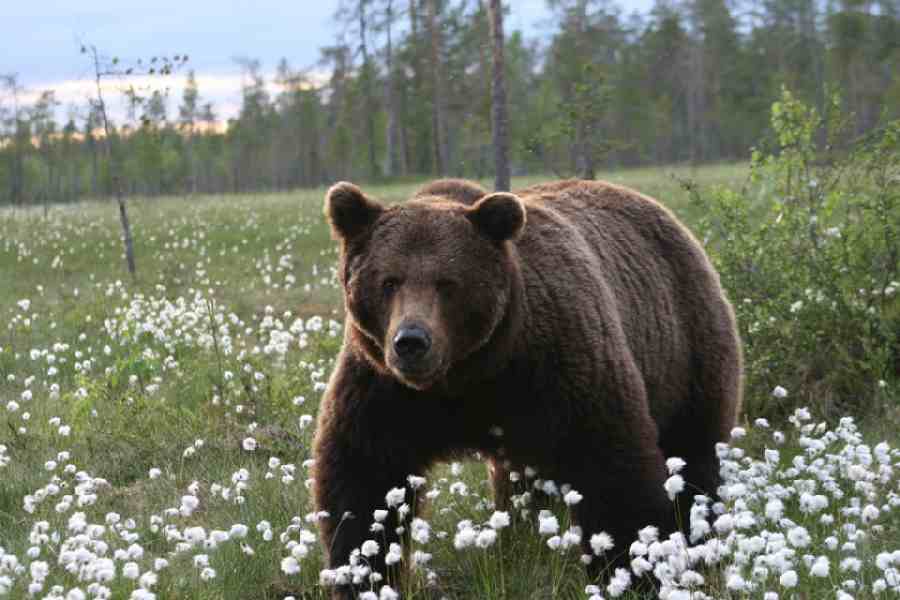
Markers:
(41, 38)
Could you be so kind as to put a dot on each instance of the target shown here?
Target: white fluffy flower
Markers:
(820, 567)
(465, 537)
(870, 513)
(388, 593)
(415, 481)
(547, 523)
(290, 566)
(675, 464)
(788, 579)
(420, 531)
(499, 520)
(674, 485)
(648, 534)
(369, 548)
(395, 497)
(131, 570)
(799, 537)
(619, 583)
(486, 538)
(601, 542)
(394, 555)
(572, 498)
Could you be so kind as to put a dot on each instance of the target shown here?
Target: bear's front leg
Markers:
(359, 458)
(500, 483)
(622, 494)
(620, 471)
(348, 496)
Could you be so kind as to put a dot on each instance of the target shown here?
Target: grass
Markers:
(228, 334)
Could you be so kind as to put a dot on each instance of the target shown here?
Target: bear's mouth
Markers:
(418, 376)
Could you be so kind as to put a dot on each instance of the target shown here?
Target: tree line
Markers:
(406, 91)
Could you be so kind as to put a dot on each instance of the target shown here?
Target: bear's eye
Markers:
(390, 285)
(447, 286)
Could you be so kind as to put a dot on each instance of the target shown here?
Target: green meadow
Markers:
(155, 432)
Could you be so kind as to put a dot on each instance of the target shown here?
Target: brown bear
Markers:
(576, 327)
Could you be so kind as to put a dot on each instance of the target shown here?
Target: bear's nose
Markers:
(412, 342)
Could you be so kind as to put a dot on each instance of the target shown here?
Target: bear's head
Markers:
(426, 283)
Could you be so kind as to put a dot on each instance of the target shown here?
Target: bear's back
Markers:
(460, 190)
(612, 220)
(607, 253)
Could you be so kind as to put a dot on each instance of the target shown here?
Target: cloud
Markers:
(223, 90)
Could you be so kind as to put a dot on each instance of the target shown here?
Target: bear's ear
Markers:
(349, 211)
(500, 216)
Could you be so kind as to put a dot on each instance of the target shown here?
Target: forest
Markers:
(405, 93)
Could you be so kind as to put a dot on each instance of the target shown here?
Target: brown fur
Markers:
(580, 317)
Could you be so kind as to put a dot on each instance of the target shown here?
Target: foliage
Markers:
(809, 254)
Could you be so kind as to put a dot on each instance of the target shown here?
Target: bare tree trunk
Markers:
(396, 165)
(584, 155)
(696, 104)
(585, 158)
(11, 83)
(437, 113)
(498, 100)
(483, 31)
(191, 187)
(48, 186)
(368, 98)
(126, 226)
(114, 167)
(412, 106)
(17, 176)
(95, 170)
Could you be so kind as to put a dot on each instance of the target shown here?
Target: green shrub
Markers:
(808, 252)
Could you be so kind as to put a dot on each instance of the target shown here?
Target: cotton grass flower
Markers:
(499, 520)
(465, 535)
(788, 579)
(571, 498)
(486, 538)
(415, 482)
(619, 583)
(369, 548)
(395, 497)
(394, 554)
(388, 593)
(820, 567)
(674, 465)
(799, 537)
(547, 523)
(674, 485)
(601, 542)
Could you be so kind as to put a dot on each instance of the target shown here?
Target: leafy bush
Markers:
(808, 252)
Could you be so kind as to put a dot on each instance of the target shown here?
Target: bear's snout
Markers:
(415, 356)
(411, 344)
